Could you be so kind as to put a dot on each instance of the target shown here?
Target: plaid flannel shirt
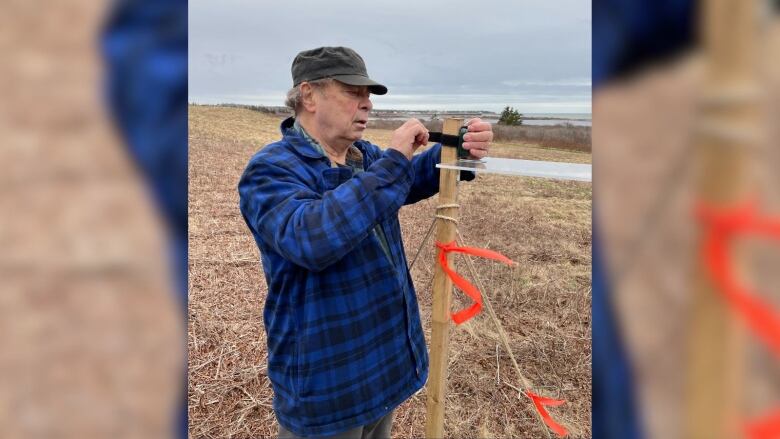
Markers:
(345, 341)
(354, 160)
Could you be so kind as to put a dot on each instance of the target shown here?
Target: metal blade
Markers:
(528, 168)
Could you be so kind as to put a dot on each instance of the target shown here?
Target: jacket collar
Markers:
(299, 143)
(303, 146)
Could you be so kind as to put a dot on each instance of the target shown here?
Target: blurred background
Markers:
(685, 105)
(93, 201)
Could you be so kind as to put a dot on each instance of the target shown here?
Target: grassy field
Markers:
(544, 304)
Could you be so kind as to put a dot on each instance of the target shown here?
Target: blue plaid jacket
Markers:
(345, 342)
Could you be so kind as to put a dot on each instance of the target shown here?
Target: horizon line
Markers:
(408, 110)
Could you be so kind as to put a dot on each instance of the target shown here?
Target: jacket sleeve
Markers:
(426, 175)
(315, 230)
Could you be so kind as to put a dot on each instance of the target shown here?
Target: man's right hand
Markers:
(408, 137)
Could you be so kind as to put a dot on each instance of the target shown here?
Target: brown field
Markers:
(544, 305)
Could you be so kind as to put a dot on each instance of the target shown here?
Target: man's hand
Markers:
(477, 140)
(409, 136)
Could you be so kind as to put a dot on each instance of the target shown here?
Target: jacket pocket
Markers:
(332, 178)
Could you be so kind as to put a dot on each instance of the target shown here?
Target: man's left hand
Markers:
(477, 140)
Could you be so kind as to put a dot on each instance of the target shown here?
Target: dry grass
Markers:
(572, 137)
(544, 305)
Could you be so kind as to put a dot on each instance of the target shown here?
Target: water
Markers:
(537, 119)
(548, 119)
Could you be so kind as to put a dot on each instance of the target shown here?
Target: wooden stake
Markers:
(716, 346)
(442, 292)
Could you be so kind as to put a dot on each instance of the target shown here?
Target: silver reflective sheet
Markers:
(529, 168)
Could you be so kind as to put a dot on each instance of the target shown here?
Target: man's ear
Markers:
(307, 97)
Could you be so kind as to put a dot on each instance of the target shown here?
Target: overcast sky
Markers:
(445, 55)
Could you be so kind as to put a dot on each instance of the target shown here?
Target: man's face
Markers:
(342, 111)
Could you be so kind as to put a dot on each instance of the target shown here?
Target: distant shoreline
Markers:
(424, 114)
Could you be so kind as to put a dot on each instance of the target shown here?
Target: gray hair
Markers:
(294, 97)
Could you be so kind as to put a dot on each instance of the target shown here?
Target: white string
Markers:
(430, 228)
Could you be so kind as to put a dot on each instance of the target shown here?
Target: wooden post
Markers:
(716, 347)
(442, 292)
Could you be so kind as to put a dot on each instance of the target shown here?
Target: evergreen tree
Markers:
(510, 116)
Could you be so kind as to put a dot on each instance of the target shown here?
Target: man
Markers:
(345, 342)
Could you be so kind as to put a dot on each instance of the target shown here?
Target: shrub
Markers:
(510, 116)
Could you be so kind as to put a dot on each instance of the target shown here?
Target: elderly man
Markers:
(345, 342)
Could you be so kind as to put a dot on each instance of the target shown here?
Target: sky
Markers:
(533, 55)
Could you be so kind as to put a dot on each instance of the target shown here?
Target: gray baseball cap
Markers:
(340, 63)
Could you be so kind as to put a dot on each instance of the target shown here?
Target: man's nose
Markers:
(366, 104)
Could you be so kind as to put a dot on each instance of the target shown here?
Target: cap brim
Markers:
(373, 87)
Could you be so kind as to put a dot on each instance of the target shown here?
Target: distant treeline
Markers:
(260, 108)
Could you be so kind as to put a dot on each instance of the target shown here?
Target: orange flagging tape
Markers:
(759, 316)
(467, 313)
(715, 250)
(767, 427)
(540, 402)
(464, 285)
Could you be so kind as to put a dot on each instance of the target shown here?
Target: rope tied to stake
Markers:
(446, 206)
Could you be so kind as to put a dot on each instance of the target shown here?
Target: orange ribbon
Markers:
(765, 428)
(464, 285)
(540, 402)
(467, 313)
(715, 250)
(759, 316)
